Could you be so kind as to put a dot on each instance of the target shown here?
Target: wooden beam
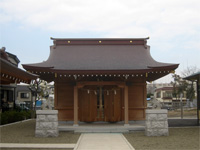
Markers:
(100, 83)
(126, 119)
(75, 106)
(198, 100)
(55, 95)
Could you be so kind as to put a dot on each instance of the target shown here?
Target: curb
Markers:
(127, 142)
(15, 123)
(186, 127)
(79, 140)
(26, 146)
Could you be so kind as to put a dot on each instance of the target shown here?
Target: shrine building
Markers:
(100, 79)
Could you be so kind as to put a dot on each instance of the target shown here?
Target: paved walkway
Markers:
(103, 141)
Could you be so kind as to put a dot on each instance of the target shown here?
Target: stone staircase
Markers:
(101, 128)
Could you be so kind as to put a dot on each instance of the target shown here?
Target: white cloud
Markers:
(116, 18)
(173, 25)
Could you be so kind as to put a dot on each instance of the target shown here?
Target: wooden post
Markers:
(198, 100)
(75, 106)
(126, 106)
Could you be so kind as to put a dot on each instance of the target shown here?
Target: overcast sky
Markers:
(172, 25)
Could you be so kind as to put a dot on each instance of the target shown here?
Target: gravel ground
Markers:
(25, 133)
(190, 113)
(178, 139)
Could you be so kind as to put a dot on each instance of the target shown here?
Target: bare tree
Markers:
(38, 91)
(190, 92)
(189, 71)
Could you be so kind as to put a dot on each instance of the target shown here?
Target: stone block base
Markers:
(47, 123)
(156, 123)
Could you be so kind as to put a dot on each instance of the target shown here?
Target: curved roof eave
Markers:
(52, 69)
(11, 70)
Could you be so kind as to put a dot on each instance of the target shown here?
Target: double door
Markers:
(100, 104)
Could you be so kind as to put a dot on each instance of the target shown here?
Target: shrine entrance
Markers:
(100, 103)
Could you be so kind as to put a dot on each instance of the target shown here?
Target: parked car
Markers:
(22, 106)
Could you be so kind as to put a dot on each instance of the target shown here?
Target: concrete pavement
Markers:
(87, 141)
(103, 141)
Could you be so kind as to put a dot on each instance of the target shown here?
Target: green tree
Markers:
(179, 85)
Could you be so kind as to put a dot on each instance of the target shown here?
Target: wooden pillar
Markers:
(75, 106)
(126, 106)
(198, 100)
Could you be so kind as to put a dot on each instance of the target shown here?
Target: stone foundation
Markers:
(156, 122)
(46, 123)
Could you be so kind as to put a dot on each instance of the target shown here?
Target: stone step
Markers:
(101, 130)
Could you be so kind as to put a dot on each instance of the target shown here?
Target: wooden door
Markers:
(87, 105)
(100, 104)
(113, 105)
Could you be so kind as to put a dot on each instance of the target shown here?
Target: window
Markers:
(167, 94)
(24, 95)
(158, 95)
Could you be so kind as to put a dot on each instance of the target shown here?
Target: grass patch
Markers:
(178, 139)
(24, 132)
(186, 113)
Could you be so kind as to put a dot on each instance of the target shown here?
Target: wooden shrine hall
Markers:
(100, 79)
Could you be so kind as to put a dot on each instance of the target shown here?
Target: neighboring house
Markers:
(163, 93)
(10, 75)
(24, 95)
(7, 95)
(13, 59)
(165, 96)
(100, 79)
(151, 87)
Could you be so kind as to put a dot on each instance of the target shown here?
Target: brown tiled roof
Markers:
(118, 55)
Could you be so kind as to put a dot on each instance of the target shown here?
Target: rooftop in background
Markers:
(9, 72)
(195, 76)
(9, 57)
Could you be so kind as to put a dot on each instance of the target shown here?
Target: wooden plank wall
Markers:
(64, 101)
(137, 101)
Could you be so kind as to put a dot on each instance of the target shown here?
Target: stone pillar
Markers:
(46, 123)
(156, 122)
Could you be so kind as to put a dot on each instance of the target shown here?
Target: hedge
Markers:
(14, 116)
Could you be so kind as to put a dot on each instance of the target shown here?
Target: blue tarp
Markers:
(38, 103)
(148, 99)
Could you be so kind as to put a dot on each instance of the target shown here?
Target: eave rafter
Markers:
(150, 75)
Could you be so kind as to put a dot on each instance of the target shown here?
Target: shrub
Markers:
(14, 116)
